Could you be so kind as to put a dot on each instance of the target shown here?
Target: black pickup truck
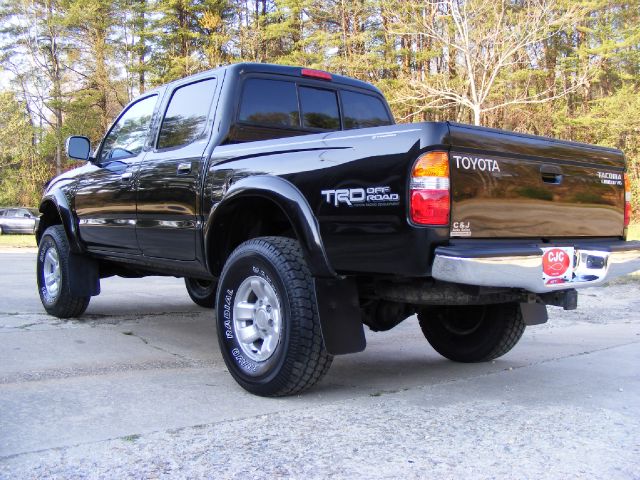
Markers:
(291, 202)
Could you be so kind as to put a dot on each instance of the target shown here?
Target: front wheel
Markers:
(202, 292)
(473, 333)
(53, 276)
(268, 325)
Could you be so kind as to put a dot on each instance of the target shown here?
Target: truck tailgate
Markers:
(510, 185)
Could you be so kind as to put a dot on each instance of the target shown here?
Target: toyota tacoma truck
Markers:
(290, 201)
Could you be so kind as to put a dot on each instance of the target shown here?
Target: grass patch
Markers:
(131, 438)
(17, 241)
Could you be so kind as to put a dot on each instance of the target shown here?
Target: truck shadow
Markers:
(393, 361)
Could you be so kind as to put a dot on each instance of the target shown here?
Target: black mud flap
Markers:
(534, 313)
(340, 317)
(84, 276)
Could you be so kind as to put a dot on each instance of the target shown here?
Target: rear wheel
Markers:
(474, 333)
(53, 276)
(202, 292)
(268, 325)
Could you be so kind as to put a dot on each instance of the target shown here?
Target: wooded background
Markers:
(566, 68)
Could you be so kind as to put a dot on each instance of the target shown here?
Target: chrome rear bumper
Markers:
(594, 264)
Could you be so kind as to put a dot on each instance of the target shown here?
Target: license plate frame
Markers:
(558, 264)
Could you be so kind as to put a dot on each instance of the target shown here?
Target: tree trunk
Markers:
(476, 114)
(101, 77)
(141, 47)
(56, 80)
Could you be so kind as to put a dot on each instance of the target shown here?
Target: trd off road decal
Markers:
(361, 197)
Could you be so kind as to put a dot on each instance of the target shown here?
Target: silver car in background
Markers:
(19, 220)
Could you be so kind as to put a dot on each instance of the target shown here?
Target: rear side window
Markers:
(186, 116)
(319, 109)
(271, 103)
(361, 110)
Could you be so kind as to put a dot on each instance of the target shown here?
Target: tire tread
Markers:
(509, 329)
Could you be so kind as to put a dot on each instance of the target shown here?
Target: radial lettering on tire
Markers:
(268, 326)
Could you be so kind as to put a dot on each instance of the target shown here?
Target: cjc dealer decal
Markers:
(361, 197)
(461, 229)
(557, 265)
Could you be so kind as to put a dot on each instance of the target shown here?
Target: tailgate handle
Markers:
(551, 174)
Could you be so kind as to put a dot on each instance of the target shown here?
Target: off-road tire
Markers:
(64, 304)
(202, 292)
(475, 333)
(300, 359)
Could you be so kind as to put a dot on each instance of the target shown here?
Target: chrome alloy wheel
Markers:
(257, 318)
(51, 273)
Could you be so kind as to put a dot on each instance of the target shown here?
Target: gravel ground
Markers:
(385, 437)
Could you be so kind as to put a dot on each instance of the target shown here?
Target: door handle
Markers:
(125, 177)
(551, 174)
(184, 168)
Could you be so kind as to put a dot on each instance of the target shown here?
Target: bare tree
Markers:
(37, 51)
(491, 46)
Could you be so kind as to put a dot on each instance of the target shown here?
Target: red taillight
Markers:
(430, 207)
(308, 72)
(430, 203)
(627, 200)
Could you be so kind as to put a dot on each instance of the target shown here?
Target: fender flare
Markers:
(61, 204)
(294, 205)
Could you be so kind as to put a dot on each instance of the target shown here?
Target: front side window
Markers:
(186, 116)
(319, 109)
(269, 103)
(127, 137)
(362, 111)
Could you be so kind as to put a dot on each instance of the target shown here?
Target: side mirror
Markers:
(78, 148)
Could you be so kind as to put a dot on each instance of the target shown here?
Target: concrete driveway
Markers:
(137, 389)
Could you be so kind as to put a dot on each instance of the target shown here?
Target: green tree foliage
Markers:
(187, 35)
(99, 94)
(22, 173)
(34, 50)
(563, 68)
